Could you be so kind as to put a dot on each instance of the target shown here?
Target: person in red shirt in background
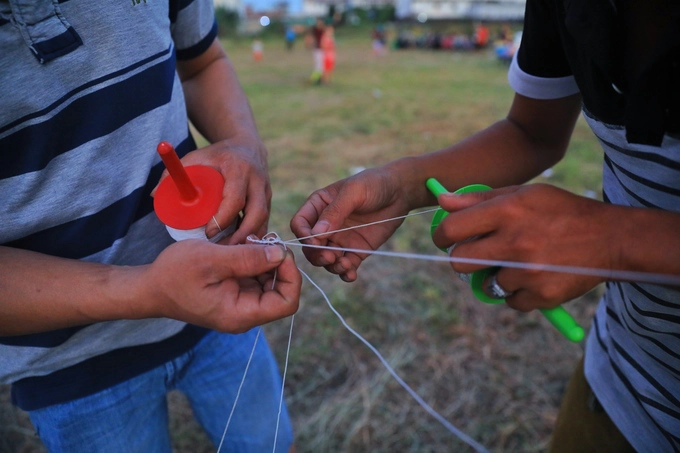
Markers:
(328, 49)
(481, 36)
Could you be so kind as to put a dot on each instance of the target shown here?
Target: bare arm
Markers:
(534, 136)
(219, 109)
(39, 292)
(530, 224)
(225, 288)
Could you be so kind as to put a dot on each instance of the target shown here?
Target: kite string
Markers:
(448, 425)
(608, 274)
(273, 238)
(268, 239)
(283, 381)
(362, 225)
(238, 392)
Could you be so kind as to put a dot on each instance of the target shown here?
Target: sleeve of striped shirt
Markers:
(539, 69)
(193, 26)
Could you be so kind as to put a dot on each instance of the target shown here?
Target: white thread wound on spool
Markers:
(199, 233)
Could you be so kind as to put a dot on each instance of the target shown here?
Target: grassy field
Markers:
(494, 373)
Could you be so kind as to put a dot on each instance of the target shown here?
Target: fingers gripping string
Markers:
(609, 274)
(270, 238)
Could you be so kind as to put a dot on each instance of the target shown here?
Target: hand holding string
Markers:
(532, 224)
(369, 196)
(230, 289)
(246, 191)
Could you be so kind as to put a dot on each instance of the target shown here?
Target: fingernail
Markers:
(274, 253)
(321, 227)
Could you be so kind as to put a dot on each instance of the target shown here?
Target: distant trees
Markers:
(227, 21)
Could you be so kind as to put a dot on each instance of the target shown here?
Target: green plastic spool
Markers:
(558, 316)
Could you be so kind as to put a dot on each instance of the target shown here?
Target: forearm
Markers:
(497, 157)
(533, 137)
(39, 293)
(647, 240)
(216, 103)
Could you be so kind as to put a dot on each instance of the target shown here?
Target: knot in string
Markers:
(270, 238)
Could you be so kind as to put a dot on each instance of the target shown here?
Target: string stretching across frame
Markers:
(273, 238)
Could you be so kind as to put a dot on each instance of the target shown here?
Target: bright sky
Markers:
(294, 6)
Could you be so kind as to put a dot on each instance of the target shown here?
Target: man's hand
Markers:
(226, 288)
(370, 196)
(247, 189)
(537, 224)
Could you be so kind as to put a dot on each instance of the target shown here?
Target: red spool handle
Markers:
(186, 188)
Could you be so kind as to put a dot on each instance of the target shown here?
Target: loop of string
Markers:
(273, 238)
(270, 238)
(448, 425)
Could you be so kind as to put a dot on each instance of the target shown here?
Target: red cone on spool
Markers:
(190, 196)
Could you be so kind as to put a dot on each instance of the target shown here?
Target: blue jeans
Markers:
(133, 416)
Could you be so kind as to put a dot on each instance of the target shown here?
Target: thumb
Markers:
(250, 260)
(333, 217)
(455, 202)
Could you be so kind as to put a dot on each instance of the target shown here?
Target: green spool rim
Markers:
(477, 278)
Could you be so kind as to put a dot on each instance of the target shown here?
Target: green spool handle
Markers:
(564, 322)
(558, 316)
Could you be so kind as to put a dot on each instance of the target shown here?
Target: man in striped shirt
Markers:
(619, 63)
(100, 313)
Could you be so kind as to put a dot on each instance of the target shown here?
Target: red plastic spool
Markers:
(190, 197)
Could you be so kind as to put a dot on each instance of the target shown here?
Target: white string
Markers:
(238, 392)
(411, 214)
(218, 225)
(609, 274)
(270, 238)
(283, 381)
(448, 425)
(273, 238)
